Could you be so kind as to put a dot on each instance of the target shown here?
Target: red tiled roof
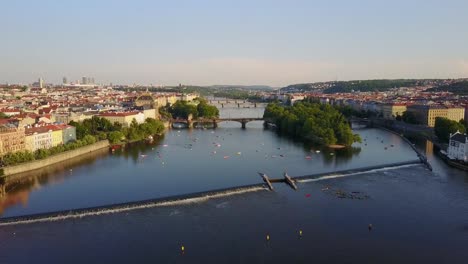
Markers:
(42, 129)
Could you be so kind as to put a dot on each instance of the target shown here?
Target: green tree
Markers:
(443, 127)
(182, 109)
(115, 137)
(206, 110)
(409, 118)
(41, 153)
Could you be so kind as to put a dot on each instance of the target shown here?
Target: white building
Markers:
(458, 147)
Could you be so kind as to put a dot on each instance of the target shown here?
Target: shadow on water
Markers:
(332, 156)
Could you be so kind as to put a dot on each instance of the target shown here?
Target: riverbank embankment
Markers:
(38, 164)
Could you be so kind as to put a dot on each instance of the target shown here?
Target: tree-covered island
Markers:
(199, 108)
(319, 123)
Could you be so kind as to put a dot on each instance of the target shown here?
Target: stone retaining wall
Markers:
(37, 164)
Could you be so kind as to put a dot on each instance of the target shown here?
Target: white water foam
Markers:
(124, 208)
(334, 176)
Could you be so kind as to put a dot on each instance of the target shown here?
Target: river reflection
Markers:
(15, 190)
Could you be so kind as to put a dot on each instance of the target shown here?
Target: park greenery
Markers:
(197, 109)
(444, 127)
(320, 123)
(103, 129)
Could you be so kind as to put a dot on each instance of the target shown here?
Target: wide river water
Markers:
(416, 215)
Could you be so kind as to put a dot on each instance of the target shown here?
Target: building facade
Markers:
(38, 138)
(68, 134)
(12, 139)
(458, 147)
(427, 115)
(390, 111)
(57, 135)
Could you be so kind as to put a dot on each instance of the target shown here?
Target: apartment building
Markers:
(12, 139)
(427, 115)
(390, 111)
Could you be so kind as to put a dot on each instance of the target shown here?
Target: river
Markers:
(416, 215)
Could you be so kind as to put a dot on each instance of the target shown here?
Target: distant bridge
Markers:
(215, 121)
(239, 103)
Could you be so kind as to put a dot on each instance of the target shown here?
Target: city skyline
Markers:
(207, 43)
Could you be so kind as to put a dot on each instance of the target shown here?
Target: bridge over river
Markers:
(190, 123)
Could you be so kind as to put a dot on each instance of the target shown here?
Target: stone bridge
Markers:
(215, 121)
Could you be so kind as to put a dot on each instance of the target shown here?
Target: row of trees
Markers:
(444, 126)
(183, 109)
(320, 123)
(26, 155)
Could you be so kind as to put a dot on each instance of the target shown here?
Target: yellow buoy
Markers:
(300, 232)
(182, 248)
(268, 237)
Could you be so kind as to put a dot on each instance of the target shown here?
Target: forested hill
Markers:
(460, 88)
(358, 85)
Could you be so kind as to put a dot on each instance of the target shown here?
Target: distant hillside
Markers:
(242, 87)
(370, 85)
(460, 88)
(357, 85)
(306, 87)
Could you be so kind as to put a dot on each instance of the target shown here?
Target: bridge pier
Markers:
(238, 105)
(222, 105)
(243, 122)
(215, 124)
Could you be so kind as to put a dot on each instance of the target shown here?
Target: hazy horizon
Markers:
(274, 43)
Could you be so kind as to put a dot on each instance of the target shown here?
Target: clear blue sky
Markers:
(232, 42)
